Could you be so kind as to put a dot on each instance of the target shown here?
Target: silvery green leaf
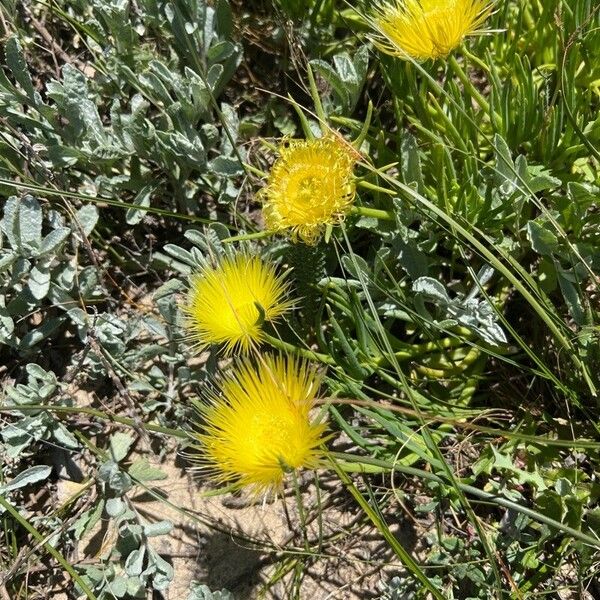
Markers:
(118, 586)
(142, 199)
(86, 217)
(53, 240)
(158, 528)
(163, 571)
(203, 592)
(26, 477)
(34, 370)
(64, 437)
(410, 161)
(120, 482)
(135, 561)
(431, 288)
(6, 260)
(22, 223)
(142, 470)
(572, 298)
(115, 507)
(505, 167)
(119, 445)
(180, 254)
(225, 165)
(39, 281)
(37, 335)
(357, 266)
(18, 66)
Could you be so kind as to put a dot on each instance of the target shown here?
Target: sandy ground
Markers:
(235, 543)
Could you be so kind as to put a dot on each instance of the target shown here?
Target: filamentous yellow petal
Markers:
(310, 186)
(424, 29)
(228, 303)
(259, 427)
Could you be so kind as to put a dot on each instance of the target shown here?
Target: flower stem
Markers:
(375, 213)
(303, 352)
(248, 236)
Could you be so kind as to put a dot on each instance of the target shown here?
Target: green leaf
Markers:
(86, 217)
(142, 198)
(142, 470)
(22, 223)
(26, 477)
(52, 242)
(543, 241)
(18, 66)
(158, 528)
(120, 443)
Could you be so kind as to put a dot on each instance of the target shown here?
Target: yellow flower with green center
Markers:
(228, 303)
(311, 185)
(259, 427)
(423, 29)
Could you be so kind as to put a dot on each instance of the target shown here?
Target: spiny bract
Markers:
(259, 427)
(311, 185)
(228, 303)
(423, 29)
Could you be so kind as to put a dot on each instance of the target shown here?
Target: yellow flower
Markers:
(423, 29)
(259, 427)
(310, 186)
(228, 303)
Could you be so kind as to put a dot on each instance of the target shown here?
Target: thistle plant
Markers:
(311, 185)
(259, 427)
(427, 29)
(228, 303)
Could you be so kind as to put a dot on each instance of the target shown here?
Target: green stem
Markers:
(375, 188)
(350, 462)
(248, 236)
(375, 213)
(48, 547)
(303, 352)
(85, 410)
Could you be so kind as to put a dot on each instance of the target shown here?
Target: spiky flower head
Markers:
(311, 185)
(259, 427)
(227, 303)
(423, 29)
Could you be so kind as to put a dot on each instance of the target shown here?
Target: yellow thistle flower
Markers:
(259, 427)
(310, 186)
(423, 29)
(228, 303)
